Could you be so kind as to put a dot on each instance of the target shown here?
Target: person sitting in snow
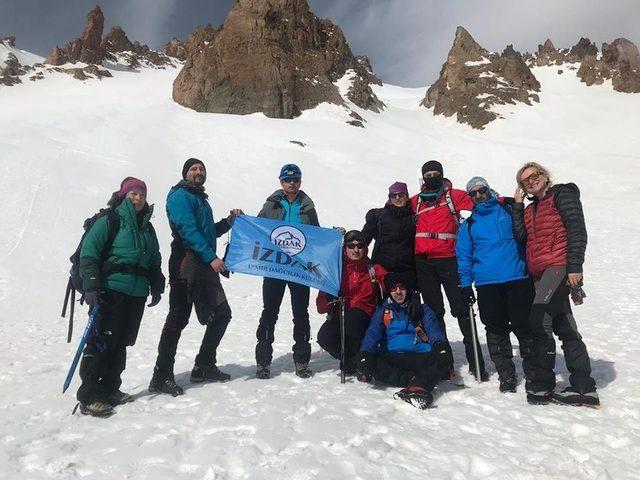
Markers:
(361, 287)
(404, 345)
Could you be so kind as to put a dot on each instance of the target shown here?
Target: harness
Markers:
(441, 236)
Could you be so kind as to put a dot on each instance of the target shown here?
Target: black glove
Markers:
(468, 296)
(414, 310)
(157, 284)
(92, 297)
(365, 366)
(443, 354)
(155, 299)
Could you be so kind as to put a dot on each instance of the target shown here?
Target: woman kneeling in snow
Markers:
(404, 345)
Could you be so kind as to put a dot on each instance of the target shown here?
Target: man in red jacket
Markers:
(361, 286)
(437, 209)
(554, 229)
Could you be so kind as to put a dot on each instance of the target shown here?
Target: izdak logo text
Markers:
(289, 239)
(264, 254)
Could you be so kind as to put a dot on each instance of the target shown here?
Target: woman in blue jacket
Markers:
(489, 256)
(404, 345)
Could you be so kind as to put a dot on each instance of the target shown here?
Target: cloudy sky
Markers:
(406, 40)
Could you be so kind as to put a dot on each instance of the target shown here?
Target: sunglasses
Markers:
(354, 245)
(398, 288)
(291, 180)
(531, 178)
(397, 195)
(480, 191)
(431, 175)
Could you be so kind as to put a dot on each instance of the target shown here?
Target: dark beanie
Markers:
(190, 163)
(432, 166)
(353, 236)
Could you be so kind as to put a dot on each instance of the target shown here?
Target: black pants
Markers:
(272, 295)
(433, 273)
(198, 286)
(505, 308)
(551, 313)
(356, 322)
(408, 369)
(116, 327)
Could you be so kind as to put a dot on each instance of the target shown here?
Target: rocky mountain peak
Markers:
(584, 48)
(86, 48)
(473, 80)
(274, 57)
(620, 62)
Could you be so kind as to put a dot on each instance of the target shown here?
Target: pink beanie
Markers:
(131, 183)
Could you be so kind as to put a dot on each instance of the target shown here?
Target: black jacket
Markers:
(394, 231)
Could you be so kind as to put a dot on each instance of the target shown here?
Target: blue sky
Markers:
(406, 40)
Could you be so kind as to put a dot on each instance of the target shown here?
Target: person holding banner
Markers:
(194, 277)
(292, 205)
(404, 345)
(361, 287)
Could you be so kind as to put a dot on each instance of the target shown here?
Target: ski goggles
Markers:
(480, 191)
(354, 245)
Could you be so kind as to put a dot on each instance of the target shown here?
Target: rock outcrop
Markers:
(92, 49)
(620, 62)
(11, 69)
(472, 80)
(176, 48)
(87, 48)
(274, 57)
(118, 47)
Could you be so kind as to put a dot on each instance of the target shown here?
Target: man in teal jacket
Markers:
(289, 204)
(194, 276)
(118, 280)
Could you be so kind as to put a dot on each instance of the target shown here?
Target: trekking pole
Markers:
(342, 335)
(472, 321)
(83, 341)
(70, 292)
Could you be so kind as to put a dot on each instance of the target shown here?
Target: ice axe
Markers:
(474, 340)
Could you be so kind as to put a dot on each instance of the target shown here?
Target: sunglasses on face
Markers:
(397, 195)
(480, 191)
(354, 245)
(291, 180)
(531, 178)
(398, 288)
(431, 175)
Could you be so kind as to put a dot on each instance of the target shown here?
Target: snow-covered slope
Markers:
(24, 57)
(64, 147)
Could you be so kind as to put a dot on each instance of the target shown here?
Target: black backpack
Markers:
(75, 280)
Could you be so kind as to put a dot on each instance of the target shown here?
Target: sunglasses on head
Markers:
(397, 195)
(291, 180)
(354, 245)
(480, 191)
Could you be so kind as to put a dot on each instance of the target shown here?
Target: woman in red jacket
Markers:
(553, 227)
(361, 286)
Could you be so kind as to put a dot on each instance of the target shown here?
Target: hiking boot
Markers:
(97, 409)
(119, 398)
(210, 373)
(508, 385)
(303, 370)
(571, 396)
(165, 384)
(263, 372)
(484, 376)
(539, 398)
(415, 396)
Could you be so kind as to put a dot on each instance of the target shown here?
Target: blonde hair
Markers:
(539, 168)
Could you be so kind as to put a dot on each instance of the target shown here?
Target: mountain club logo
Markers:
(289, 239)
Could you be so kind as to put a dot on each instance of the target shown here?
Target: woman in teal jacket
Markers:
(118, 270)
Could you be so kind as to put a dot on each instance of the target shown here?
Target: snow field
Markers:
(65, 146)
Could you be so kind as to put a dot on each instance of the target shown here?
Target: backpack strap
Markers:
(469, 222)
(452, 209)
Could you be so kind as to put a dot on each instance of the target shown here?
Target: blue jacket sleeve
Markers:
(464, 254)
(375, 332)
(181, 214)
(432, 327)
